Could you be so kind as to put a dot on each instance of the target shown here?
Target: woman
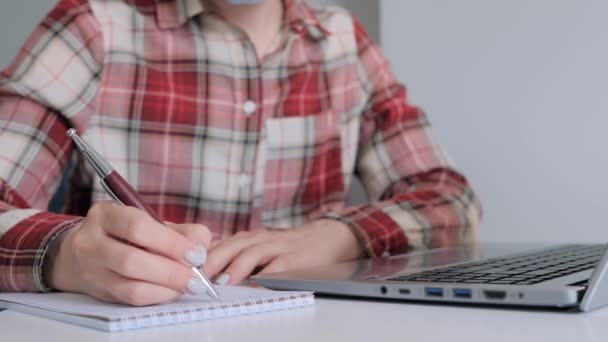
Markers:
(244, 121)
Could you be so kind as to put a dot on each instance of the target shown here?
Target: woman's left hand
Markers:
(319, 242)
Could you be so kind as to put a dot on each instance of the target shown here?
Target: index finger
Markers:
(137, 227)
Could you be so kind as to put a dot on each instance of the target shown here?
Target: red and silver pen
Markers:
(120, 190)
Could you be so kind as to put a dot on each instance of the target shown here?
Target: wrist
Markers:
(348, 245)
(54, 260)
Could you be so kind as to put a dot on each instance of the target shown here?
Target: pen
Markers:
(120, 190)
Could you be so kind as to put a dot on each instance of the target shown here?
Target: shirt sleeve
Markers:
(50, 86)
(417, 199)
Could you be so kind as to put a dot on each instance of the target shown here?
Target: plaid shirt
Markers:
(177, 101)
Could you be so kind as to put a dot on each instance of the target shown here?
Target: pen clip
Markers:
(109, 191)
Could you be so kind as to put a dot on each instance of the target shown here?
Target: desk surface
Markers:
(341, 320)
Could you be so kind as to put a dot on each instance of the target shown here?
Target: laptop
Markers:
(570, 276)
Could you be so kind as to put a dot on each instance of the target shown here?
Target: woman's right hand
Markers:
(120, 254)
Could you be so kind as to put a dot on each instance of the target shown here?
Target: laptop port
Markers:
(462, 293)
(404, 291)
(494, 294)
(433, 291)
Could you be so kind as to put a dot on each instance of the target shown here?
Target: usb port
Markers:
(462, 293)
(433, 291)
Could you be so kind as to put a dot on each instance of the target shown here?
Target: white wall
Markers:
(517, 93)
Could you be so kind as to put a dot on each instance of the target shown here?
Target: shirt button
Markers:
(244, 180)
(298, 27)
(249, 107)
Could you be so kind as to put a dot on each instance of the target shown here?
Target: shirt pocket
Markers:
(303, 169)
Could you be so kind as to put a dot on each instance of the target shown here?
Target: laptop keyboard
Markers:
(521, 269)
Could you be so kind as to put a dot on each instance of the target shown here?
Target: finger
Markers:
(197, 233)
(247, 261)
(222, 254)
(96, 285)
(137, 227)
(134, 263)
(214, 243)
(279, 264)
(138, 293)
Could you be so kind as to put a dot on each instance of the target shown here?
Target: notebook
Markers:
(86, 311)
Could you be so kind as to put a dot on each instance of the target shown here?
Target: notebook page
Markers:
(232, 298)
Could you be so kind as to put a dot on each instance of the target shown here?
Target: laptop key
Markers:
(495, 270)
(474, 281)
(475, 269)
(497, 276)
(514, 278)
(557, 267)
(490, 277)
(539, 272)
(457, 278)
(514, 271)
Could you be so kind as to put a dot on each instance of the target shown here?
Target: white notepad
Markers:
(87, 311)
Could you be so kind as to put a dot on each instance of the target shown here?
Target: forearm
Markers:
(429, 210)
(49, 260)
(25, 237)
(29, 169)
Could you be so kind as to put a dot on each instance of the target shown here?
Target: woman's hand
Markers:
(319, 242)
(120, 254)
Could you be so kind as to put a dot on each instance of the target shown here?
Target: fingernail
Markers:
(196, 256)
(196, 286)
(223, 279)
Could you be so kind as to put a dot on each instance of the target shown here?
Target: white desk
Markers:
(341, 320)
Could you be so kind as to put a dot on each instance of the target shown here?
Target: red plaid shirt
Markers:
(176, 100)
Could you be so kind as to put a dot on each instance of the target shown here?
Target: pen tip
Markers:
(211, 293)
(71, 132)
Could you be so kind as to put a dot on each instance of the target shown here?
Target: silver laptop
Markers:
(562, 276)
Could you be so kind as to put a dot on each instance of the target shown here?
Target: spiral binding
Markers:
(213, 311)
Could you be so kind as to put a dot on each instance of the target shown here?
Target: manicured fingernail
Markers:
(196, 256)
(223, 279)
(196, 286)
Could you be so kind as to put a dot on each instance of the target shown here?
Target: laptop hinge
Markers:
(597, 289)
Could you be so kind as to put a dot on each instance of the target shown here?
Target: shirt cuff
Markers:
(23, 249)
(379, 234)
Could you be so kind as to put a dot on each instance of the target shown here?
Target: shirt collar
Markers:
(300, 17)
(172, 14)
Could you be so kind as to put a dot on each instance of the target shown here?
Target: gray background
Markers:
(517, 92)
(513, 88)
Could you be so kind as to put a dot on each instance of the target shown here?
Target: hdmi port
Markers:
(495, 294)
